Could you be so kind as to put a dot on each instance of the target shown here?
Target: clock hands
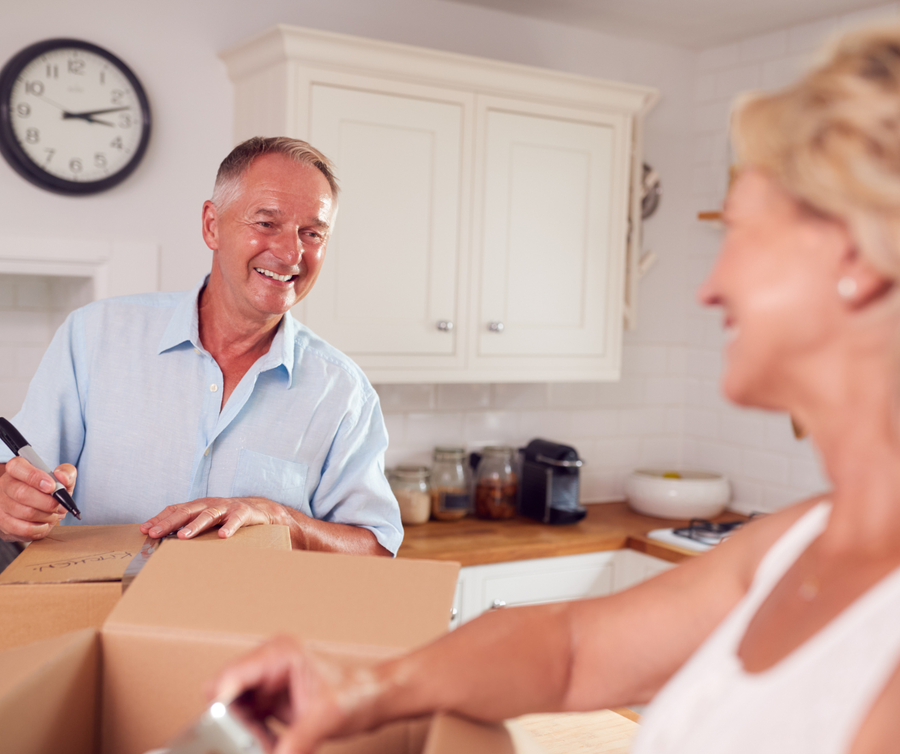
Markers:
(87, 115)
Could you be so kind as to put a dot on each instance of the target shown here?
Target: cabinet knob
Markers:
(495, 326)
(497, 604)
(453, 613)
(445, 325)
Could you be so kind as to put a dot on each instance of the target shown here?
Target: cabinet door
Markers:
(392, 273)
(551, 230)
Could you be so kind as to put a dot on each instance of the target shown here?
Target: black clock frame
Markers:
(10, 147)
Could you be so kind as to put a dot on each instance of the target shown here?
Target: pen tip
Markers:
(77, 515)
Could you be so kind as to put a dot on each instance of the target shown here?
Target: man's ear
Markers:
(210, 225)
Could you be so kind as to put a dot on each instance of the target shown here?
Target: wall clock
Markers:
(74, 119)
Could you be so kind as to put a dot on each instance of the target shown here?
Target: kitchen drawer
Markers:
(530, 582)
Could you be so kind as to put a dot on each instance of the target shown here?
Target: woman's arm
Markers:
(590, 654)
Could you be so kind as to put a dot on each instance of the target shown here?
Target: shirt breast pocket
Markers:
(259, 475)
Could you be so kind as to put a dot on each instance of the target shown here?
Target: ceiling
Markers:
(696, 24)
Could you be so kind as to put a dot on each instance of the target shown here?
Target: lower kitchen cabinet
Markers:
(533, 582)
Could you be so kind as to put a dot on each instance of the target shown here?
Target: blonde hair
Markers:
(233, 167)
(832, 140)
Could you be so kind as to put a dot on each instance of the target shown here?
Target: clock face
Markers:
(73, 118)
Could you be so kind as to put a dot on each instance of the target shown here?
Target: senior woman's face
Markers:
(775, 280)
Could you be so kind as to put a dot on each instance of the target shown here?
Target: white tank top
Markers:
(813, 700)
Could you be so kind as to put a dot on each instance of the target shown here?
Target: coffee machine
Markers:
(549, 483)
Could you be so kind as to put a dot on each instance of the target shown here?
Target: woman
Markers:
(787, 636)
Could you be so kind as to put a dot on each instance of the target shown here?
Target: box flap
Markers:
(31, 612)
(76, 553)
(197, 586)
(48, 695)
(102, 553)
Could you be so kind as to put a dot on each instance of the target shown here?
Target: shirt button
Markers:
(206, 453)
(197, 351)
(213, 387)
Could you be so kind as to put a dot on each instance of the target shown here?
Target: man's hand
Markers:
(195, 517)
(27, 510)
(315, 698)
(231, 513)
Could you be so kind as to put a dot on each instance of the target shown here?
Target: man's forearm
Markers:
(311, 534)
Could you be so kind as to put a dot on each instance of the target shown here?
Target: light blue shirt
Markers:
(127, 393)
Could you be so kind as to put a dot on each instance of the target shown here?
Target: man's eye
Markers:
(264, 225)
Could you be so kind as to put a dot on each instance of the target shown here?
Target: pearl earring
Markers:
(846, 287)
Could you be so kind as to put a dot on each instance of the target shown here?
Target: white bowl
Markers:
(692, 494)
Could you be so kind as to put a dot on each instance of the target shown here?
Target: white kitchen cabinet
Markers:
(542, 580)
(483, 230)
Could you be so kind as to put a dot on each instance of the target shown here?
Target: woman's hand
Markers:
(316, 699)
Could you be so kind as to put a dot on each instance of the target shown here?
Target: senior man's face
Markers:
(269, 242)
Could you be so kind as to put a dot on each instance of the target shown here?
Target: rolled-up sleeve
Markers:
(353, 488)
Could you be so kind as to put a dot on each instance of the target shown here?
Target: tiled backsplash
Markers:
(614, 426)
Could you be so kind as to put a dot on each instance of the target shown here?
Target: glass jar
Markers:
(450, 498)
(410, 486)
(496, 484)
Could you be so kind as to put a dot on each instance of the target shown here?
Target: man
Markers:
(216, 404)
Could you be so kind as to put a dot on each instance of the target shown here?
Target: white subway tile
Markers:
(775, 497)
(811, 37)
(640, 359)
(746, 496)
(704, 363)
(718, 57)
(598, 422)
(765, 466)
(780, 435)
(396, 429)
(660, 452)
(492, 428)
(644, 421)
(713, 116)
(764, 46)
(406, 397)
(675, 421)
(701, 423)
(7, 361)
(463, 397)
(676, 361)
(704, 87)
(869, 17)
(519, 395)
(784, 71)
(718, 457)
(604, 486)
(428, 430)
(734, 81)
(623, 452)
(27, 360)
(711, 146)
(549, 425)
(743, 427)
(572, 394)
(664, 391)
(12, 395)
(625, 392)
(400, 456)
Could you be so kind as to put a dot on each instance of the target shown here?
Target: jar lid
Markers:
(411, 472)
(497, 450)
(449, 453)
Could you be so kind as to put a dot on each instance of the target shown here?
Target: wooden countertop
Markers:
(607, 526)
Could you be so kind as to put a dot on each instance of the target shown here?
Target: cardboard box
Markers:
(72, 579)
(138, 682)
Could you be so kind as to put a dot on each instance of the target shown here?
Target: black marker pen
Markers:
(19, 445)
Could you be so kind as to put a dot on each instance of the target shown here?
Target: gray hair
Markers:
(233, 167)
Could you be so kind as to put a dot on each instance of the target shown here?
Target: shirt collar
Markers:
(184, 327)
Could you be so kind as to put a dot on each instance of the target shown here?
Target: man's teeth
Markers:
(274, 276)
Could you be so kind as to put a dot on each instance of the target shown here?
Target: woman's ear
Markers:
(859, 282)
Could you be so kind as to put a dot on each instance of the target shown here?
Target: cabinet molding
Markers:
(483, 157)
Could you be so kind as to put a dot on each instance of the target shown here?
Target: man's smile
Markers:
(274, 275)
